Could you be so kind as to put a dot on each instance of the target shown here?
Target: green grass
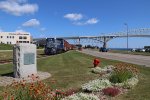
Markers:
(6, 47)
(6, 55)
(134, 53)
(72, 69)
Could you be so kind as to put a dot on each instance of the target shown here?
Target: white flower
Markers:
(96, 85)
(128, 83)
(81, 96)
(106, 69)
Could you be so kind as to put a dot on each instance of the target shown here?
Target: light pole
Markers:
(127, 34)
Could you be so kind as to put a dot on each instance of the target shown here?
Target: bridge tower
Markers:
(104, 42)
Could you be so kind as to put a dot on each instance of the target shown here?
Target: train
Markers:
(57, 45)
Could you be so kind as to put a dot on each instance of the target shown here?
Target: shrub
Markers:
(81, 96)
(121, 76)
(96, 85)
(123, 72)
(111, 91)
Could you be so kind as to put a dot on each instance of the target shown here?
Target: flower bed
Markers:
(124, 75)
(130, 83)
(106, 69)
(96, 85)
(81, 96)
(31, 91)
(111, 91)
(114, 79)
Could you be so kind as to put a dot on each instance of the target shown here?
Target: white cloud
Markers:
(73, 16)
(18, 7)
(92, 21)
(88, 22)
(31, 23)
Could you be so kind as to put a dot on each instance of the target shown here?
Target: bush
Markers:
(81, 96)
(123, 72)
(119, 77)
(96, 85)
(111, 91)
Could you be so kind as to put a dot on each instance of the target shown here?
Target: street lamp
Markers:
(127, 33)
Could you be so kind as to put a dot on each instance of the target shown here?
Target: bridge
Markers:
(143, 32)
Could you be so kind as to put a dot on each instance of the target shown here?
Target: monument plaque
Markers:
(24, 60)
(29, 58)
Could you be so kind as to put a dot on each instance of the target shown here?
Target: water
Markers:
(120, 48)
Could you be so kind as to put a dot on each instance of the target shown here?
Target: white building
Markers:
(15, 37)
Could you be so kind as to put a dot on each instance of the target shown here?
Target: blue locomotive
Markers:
(54, 46)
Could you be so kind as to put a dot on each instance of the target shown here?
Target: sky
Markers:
(62, 18)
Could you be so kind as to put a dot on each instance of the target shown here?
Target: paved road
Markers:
(134, 59)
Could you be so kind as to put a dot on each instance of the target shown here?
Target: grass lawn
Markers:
(8, 55)
(72, 69)
(6, 47)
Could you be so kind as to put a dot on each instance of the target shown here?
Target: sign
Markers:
(29, 58)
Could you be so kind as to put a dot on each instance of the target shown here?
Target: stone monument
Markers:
(24, 60)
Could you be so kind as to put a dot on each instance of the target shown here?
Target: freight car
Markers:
(55, 46)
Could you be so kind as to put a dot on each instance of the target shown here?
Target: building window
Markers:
(7, 42)
(20, 37)
(20, 41)
(1, 36)
(12, 36)
(27, 41)
(7, 37)
(24, 41)
(10, 42)
(24, 37)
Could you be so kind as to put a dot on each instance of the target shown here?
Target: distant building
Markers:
(15, 37)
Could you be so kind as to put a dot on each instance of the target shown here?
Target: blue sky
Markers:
(53, 18)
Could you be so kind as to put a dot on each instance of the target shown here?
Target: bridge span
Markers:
(142, 32)
(102, 39)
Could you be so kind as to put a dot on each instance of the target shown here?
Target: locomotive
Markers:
(55, 46)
